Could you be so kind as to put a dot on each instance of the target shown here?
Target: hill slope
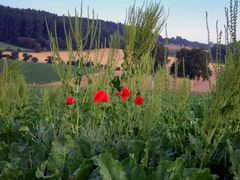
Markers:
(27, 28)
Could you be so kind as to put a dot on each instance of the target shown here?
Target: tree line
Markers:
(27, 28)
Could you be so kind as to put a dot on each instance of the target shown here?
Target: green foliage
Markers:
(142, 25)
(13, 90)
(192, 64)
(84, 171)
(235, 160)
(176, 170)
(110, 168)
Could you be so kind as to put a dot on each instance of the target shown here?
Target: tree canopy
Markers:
(192, 64)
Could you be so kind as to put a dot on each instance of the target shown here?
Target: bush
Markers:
(26, 57)
(192, 64)
(34, 59)
(28, 43)
(14, 55)
(49, 59)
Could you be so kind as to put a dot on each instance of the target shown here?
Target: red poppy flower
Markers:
(100, 96)
(124, 94)
(139, 100)
(70, 100)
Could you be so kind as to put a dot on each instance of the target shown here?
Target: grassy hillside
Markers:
(12, 47)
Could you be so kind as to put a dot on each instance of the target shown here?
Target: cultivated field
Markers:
(102, 56)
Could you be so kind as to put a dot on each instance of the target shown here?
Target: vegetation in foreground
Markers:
(114, 129)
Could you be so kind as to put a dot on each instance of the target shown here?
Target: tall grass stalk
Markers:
(13, 90)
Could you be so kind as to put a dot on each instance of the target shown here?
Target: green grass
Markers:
(13, 47)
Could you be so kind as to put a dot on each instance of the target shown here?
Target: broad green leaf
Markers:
(163, 170)
(85, 148)
(133, 170)
(110, 169)
(235, 160)
(43, 172)
(137, 148)
(178, 169)
(170, 170)
(203, 174)
(59, 151)
(9, 172)
(74, 159)
(84, 170)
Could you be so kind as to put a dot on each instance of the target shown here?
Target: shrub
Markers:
(49, 59)
(27, 42)
(34, 59)
(26, 57)
(14, 55)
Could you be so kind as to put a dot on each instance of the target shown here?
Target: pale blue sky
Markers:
(186, 18)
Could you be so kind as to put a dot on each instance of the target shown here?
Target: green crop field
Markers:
(13, 47)
(37, 72)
